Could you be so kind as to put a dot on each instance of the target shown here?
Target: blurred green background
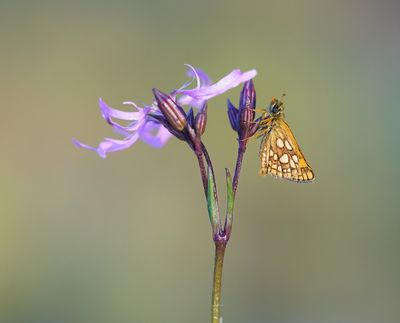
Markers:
(127, 239)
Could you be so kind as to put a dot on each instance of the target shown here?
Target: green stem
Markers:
(217, 285)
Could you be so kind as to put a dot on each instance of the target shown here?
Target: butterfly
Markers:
(280, 154)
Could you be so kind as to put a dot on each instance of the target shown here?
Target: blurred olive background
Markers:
(127, 239)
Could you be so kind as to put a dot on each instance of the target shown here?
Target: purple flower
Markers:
(139, 126)
(140, 122)
(204, 91)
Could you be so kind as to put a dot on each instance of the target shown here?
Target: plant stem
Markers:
(203, 171)
(239, 160)
(217, 285)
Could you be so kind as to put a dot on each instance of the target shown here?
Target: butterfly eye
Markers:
(275, 108)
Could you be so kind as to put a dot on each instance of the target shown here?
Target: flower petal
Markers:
(154, 134)
(108, 112)
(78, 144)
(202, 77)
(109, 145)
(196, 96)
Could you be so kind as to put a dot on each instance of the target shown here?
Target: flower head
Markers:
(138, 126)
(155, 124)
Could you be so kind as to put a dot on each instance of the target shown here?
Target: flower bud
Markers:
(232, 115)
(172, 112)
(190, 117)
(161, 119)
(200, 121)
(248, 96)
(247, 106)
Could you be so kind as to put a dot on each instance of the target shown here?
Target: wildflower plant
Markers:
(166, 117)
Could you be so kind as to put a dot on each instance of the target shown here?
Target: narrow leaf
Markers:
(230, 203)
(212, 202)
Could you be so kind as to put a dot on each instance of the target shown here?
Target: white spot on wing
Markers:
(279, 143)
(284, 159)
(288, 146)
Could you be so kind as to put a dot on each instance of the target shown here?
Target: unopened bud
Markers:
(200, 121)
(232, 115)
(248, 96)
(247, 106)
(161, 119)
(172, 112)
(190, 117)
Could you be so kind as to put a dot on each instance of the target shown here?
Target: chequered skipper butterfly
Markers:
(280, 154)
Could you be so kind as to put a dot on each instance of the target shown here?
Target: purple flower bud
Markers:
(246, 107)
(190, 117)
(174, 114)
(162, 120)
(248, 96)
(200, 121)
(232, 115)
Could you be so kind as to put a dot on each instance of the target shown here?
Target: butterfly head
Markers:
(276, 106)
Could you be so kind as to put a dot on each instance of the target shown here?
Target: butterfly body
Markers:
(280, 154)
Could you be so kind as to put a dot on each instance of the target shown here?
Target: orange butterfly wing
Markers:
(281, 156)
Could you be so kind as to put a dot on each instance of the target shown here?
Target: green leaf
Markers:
(230, 202)
(212, 202)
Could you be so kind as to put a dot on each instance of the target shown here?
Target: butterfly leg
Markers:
(259, 133)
